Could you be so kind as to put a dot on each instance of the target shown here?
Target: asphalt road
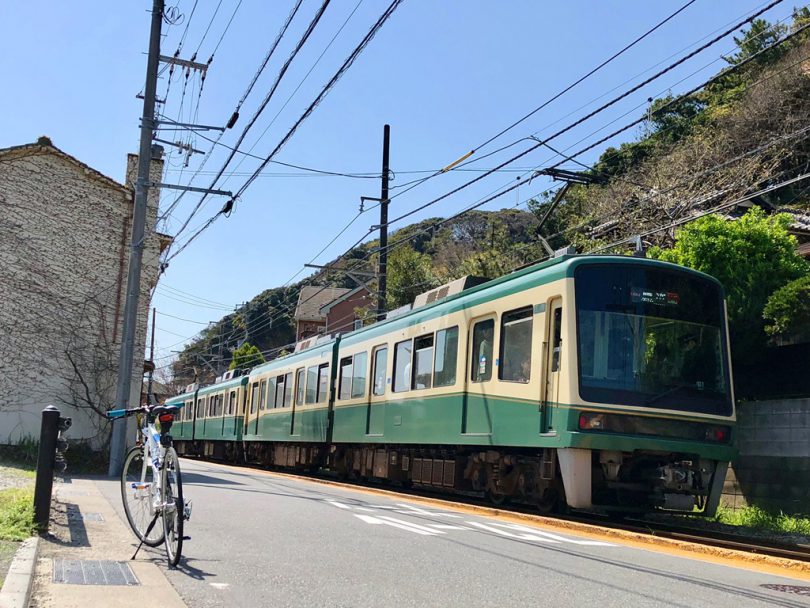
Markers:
(261, 540)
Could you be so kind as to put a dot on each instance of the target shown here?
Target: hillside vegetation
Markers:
(744, 133)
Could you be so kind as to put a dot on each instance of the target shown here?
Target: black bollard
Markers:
(45, 463)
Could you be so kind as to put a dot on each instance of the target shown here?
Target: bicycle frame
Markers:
(153, 456)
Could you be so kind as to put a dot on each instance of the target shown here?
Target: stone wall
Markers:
(64, 251)
(773, 467)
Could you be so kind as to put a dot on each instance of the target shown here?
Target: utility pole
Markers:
(119, 430)
(383, 267)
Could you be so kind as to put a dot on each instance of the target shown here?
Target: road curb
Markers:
(777, 565)
(16, 589)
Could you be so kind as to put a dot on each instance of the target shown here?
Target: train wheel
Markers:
(496, 498)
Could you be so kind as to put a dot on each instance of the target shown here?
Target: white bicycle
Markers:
(151, 484)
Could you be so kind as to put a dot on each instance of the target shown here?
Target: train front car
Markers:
(651, 422)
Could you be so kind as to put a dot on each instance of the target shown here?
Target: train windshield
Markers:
(651, 337)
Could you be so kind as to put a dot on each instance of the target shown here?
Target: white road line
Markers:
(408, 523)
(339, 505)
(219, 585)
(446, 527)
(418, 511)
(508, 534)
(368, 509)
(395, 523)
(557, 537)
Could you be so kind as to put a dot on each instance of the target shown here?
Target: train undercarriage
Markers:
(548, 479)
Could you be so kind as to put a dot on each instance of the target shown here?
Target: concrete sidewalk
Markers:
(84, 526)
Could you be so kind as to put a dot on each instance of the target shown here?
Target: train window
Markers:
(254, 397)
(312, 384)
(359, 369)
(481, 364)
(262, 394)
(300, 384)
(220, 399)
(211, 402)
(422, 362)
(232, 403)
(557, 340)
(516, 345)
(444, 371)
(323, 383)
(380, 368)
(288, 390)
(278, 398)
(402, 366)
(345, 378)
(200, 406)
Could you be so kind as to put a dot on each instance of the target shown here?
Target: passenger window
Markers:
(556, 342)
(232, 404)
(422, 362)
(402, 366)
(278, 398)
(516, 345)
(288, 390)
(345, 378)
(254, 397)
(444, 373)
(380, 368)
(323, 383)
(262, 394)
(299, 384)
(312, 384)
(359, 369)
(481, 364)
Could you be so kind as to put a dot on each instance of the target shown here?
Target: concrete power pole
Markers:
(119, 432)
(383, 266)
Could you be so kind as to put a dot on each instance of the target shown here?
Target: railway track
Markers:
(692, 534)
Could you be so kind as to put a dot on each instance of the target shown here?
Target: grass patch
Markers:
(16, 513)
(762, 519)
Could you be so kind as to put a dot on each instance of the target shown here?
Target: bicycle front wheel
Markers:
(173, 506)
(139, 493)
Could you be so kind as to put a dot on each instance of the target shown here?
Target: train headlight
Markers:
(591, 421)
(719, 434)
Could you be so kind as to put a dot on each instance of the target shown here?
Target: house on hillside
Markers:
(309, 320)
(64, 253)
(342, 312)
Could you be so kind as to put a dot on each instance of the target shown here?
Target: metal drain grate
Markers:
(797, 589)
(85, 516)
(93, 572)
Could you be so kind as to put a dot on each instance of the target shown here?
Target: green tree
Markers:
(752, 257)
(788, 309)
(409, 273)
(246, 357)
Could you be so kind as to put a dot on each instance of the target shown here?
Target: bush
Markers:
(788, 309)
(16, 513)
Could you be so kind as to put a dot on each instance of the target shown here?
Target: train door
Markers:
(552, 364)
(477, 407)
(298, 401)
(252, 412)
(375, 412)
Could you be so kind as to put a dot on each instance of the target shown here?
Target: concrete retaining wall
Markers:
(773, 467)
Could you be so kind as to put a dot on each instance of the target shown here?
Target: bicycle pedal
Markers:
(186, 538)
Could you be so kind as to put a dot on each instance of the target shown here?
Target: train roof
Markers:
(526, 278)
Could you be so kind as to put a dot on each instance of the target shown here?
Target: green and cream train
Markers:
(600, 383)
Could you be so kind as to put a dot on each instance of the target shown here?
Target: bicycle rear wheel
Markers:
(138, 492)
(173, 506)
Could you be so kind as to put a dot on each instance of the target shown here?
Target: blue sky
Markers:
(445, 75)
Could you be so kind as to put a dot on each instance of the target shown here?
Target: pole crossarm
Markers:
(194, 65)
(186, 125)
(190, 188)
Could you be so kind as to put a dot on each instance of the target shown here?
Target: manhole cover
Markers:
(797, 589)
(93, 572)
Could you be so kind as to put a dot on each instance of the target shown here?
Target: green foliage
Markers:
(409, 274)
(788, 309)
(16, 513)
(246, 357)
(764, 520)
(752, 257)
(756, 38)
